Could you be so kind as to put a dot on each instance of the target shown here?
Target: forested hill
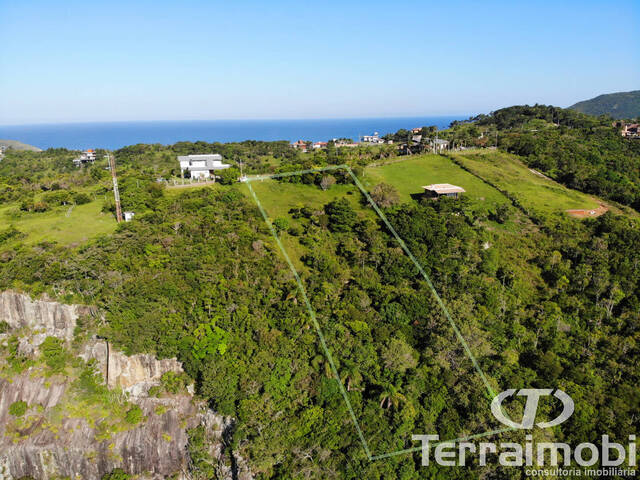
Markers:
(618, 105)
(583, 152)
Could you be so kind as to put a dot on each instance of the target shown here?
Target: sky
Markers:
(81, 61)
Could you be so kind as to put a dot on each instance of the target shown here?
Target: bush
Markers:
(4, 326)
(134, 415)
(229, 176)
(17, 409)
(501, 214)
(81, 198)
(174, 382)
(57, 197)
(54, 353)
(9, 234)
(116, 474)
(281, 224)
(40, 207)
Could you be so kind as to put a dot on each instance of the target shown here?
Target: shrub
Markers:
(229, 176)
(280, 224)
(40, 207)
(116, 474)
(17, 409)
(81, 198)
(9, 234)
(57, 197)
(54, 353)
(133, 415)
(4, 326)
(501, 214)
(174, 382)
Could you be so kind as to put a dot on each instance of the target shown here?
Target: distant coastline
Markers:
(114, 135)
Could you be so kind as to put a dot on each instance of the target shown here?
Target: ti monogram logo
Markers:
(531, 407)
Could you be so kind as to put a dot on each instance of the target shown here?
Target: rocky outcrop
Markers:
(75, 448)
(50, 442)
(45, 317)
(134, 374)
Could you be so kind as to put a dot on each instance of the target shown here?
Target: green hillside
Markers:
(379, 332)
(618, 105)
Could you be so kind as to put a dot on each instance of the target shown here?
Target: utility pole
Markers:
(116, 193)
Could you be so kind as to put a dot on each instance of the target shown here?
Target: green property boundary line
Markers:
(312, 315)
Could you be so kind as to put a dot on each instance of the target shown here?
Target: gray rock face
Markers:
(41, 445)
(156, 448)
(49, 318)
(134, 374)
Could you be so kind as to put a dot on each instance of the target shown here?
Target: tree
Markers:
(341, 215)
(385, 195)
(399, 356)
(391, 396)
(229, 176)
(327, 181)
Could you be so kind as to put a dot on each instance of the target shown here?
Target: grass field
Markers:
(533, 191)
(408, 176)
(278, 197)
(84, 222)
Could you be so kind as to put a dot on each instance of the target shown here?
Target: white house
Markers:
(88, 156)
(439, 145)
(375, 138)
(201, 166)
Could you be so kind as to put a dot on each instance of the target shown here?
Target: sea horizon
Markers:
(117, 134)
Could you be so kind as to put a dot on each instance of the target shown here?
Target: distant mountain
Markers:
(618, 105)
(16, 145)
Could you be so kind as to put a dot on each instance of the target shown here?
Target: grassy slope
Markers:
(534, 191)
(409, 175)
(84, 222)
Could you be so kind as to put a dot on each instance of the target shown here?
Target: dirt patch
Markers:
(596, 212)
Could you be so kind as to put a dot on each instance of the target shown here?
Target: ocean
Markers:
(113, 135)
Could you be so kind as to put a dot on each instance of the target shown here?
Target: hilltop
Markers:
(16, 145)
(618, 105)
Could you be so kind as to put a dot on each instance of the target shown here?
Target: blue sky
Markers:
(72, 61)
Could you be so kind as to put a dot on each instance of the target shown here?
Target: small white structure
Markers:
(439, 145)
(128, 216)
(443, 190)
(201, 166)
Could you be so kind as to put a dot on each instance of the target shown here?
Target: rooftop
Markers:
(443, 188)
(208, 156)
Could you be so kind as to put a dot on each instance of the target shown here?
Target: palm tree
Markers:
(351, 374)
(391, 397)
